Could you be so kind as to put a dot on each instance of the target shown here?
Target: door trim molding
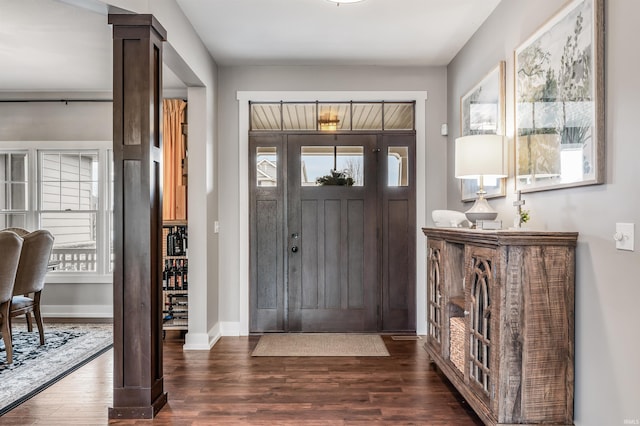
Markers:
(243, 97)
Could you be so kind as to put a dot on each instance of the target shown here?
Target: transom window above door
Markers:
(332, 116)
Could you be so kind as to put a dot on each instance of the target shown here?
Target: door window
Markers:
(332, 165)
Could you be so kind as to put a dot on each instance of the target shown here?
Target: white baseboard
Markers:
(230, 328)
(77, 311)
(202, 341)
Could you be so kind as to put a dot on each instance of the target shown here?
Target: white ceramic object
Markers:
(449, 219)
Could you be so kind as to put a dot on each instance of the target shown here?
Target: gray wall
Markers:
(57, 121)
(303, 78)
(607, 290)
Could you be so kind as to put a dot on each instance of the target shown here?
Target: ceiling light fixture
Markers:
(328, 123)
(337, 2)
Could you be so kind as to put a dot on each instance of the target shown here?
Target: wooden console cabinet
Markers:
(500, 312)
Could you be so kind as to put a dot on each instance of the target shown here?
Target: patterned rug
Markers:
(34, 368)
(320, 344)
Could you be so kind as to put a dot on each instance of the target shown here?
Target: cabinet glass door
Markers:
(434, 293)
(479, 322)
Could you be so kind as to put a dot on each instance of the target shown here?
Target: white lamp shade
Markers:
(481, 155)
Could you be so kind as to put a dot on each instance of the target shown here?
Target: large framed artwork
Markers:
(482, 112)
(559, 101)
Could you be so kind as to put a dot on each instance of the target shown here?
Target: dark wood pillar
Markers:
(137, 149)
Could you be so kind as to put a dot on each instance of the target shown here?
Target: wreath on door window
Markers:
(336, 178)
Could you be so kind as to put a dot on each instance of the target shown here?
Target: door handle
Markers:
(294, 249)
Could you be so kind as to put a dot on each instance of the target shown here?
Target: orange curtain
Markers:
(174, 205)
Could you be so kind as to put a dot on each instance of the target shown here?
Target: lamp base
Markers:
(481, 210)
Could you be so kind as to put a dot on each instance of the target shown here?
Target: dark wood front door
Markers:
(332, 272)
(332, 258)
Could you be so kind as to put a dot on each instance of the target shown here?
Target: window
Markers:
(332, 165)
(398, 166)
(68, 188)
(267, 166)
(68, 191)
(331, 116)
(13, 189)
(111, 185)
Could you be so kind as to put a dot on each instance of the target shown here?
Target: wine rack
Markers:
(175, 276)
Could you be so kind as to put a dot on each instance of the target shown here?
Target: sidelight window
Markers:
(398, 166)
(267, 166)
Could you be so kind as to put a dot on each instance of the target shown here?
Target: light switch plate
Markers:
(624, 236)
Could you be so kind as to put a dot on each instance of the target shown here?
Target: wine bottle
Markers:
(178, 275)
(185, 238)
(171, 242)
(178, 246)
(164, 276)
(171, 283)
(185, 274)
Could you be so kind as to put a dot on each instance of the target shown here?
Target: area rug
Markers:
(320, 344)
(67, 347)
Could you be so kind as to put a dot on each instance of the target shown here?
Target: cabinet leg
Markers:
(429, 358)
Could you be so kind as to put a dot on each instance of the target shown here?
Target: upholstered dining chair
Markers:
(20, 231)
(10, 245)
(32, 268)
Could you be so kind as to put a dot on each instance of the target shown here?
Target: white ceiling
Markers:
(313, 32)
(52, 45)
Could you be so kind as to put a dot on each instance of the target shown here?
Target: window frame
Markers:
(12, 210)
(104, 149)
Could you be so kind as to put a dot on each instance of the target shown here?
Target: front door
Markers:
(332, 271)
(332, 232)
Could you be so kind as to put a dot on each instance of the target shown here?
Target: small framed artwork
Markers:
(482, 112)
(559, 101)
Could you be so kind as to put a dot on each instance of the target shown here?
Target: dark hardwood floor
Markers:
(227, 386)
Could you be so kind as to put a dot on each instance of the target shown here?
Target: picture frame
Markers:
(559, 101)
(482, 111)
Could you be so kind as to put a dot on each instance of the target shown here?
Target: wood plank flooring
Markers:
(227, 386)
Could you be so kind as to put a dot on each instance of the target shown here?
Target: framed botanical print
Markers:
(482, 111)
(559, 101)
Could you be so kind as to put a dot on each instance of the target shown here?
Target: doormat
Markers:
(67, 347)
(320, 344)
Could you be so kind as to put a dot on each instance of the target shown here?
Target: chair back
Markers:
(20, 231)
(34, 261)
(10, 246)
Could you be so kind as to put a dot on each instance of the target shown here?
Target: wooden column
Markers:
(137, 149)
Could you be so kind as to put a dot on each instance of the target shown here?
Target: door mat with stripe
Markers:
(320, 344)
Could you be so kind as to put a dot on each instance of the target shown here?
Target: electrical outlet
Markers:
(624, 236)
(216, 227)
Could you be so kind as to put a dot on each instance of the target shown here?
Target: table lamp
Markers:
(477, 157)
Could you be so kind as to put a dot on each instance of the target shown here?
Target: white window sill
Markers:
(78, 278)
